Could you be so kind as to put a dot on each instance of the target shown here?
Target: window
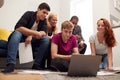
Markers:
(83, 9)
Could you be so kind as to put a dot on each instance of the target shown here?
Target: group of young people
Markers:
(40, 30)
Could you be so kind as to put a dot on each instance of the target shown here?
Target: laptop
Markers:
(84, 65)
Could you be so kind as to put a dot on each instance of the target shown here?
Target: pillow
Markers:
(4, 34)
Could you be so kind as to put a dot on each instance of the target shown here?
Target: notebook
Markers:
(84, 65)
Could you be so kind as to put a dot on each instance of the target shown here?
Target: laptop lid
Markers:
(84, 65)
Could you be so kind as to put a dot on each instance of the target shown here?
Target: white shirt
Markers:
(35, 26)
(100, 48)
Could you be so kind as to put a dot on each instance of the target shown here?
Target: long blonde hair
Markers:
(49, 26)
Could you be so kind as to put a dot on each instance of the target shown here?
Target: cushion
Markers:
(4, 34)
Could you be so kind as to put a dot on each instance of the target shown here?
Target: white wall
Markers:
(13, 10)
(113, 10)
(83, 9)
(116, 50)
(100, 10)
(64, 11)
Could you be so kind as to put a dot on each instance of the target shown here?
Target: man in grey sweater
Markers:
(78, 34)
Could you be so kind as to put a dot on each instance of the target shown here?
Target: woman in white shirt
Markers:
(102, 42)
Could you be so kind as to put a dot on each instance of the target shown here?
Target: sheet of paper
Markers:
(116, 68)
(36, 72)
(25, 53)
(104, 73)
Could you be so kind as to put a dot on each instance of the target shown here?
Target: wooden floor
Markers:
(21, 77)
(53, 76)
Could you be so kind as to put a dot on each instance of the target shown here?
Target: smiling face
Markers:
(100, 26)
(53, 20)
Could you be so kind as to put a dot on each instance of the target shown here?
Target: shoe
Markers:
(9, 68)
(36, 67)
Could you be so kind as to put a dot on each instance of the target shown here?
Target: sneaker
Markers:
(9, 68)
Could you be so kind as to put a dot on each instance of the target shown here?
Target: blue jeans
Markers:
(39, 47)
(104, 61)
(12, 47)
(3, 48)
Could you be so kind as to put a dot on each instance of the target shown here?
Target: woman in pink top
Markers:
(63, 46)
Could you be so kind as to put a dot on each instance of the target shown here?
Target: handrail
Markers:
(116, 27)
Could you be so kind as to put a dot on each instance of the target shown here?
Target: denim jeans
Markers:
(39, 47)
(3, 44)
(46, 62)
(104, 61)
(3, 52)
(3, 48)
(12, 48)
